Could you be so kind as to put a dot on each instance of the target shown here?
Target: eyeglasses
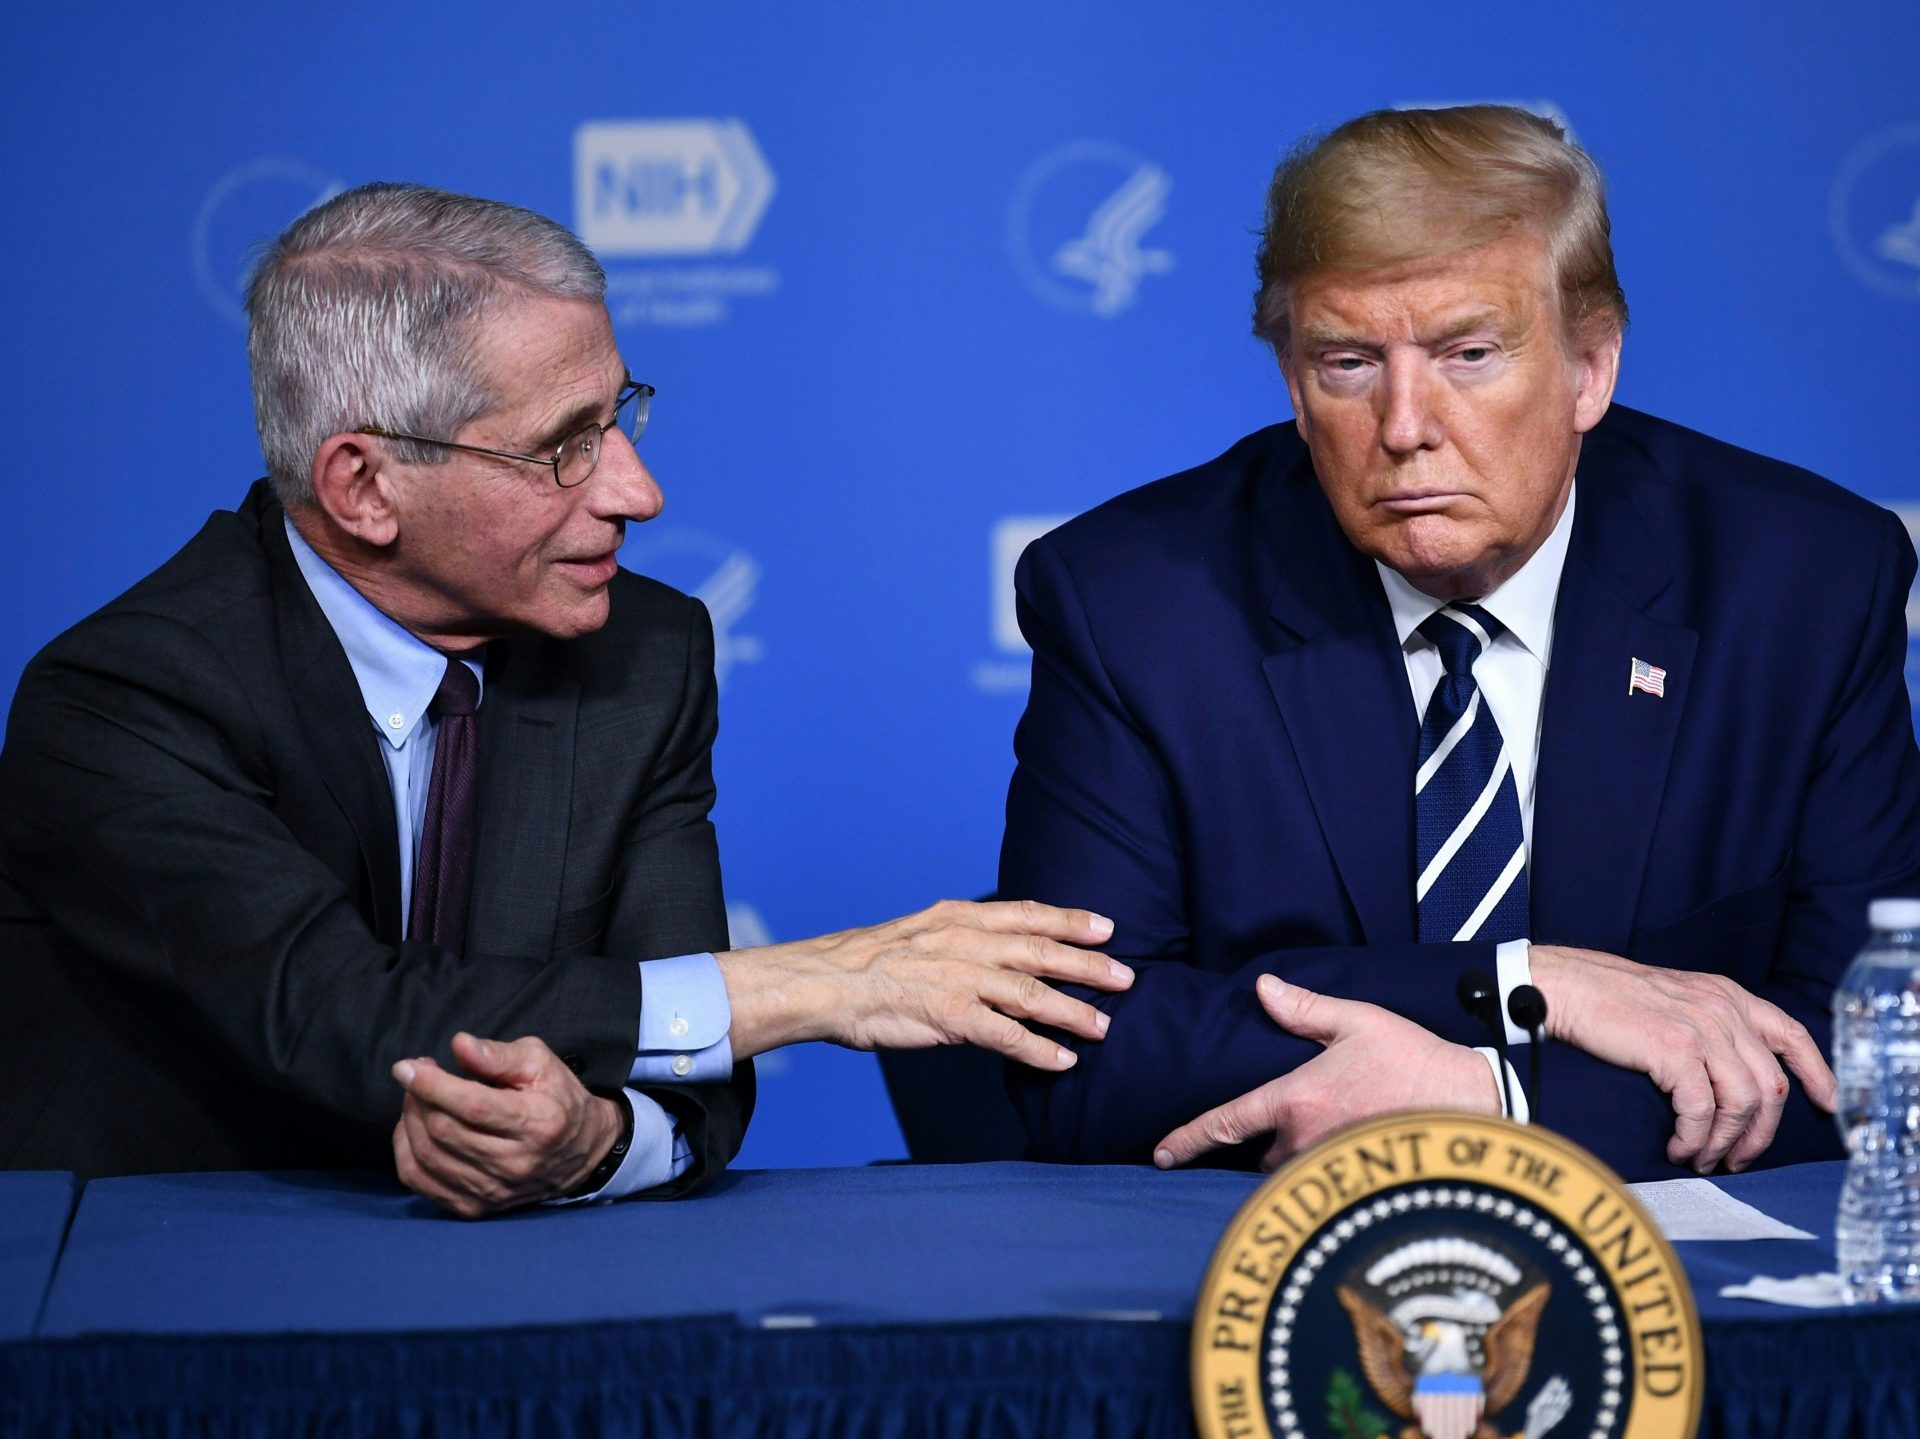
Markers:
(574, 462)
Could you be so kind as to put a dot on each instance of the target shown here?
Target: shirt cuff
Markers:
(1512, 967)
(659, 1152)
(1521, 1113)
(684, 1023)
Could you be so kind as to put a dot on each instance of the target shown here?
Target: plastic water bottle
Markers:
(1876, 1051)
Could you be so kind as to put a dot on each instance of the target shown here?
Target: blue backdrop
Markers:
(913, 280)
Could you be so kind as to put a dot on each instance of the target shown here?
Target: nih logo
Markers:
(668, 187)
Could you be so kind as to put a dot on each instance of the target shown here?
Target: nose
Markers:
(1408, 422)
(622, 487)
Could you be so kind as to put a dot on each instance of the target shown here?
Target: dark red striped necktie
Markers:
(443, 875)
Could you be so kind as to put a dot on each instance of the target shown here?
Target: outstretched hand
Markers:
(1375, 1062)
(954, 973)
(522, 1129)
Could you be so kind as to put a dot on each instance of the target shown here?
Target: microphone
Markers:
(1528, 1006)
(1480, 998)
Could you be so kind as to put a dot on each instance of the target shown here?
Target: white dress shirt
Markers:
(1512, 676)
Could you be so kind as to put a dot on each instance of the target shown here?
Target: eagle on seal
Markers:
(1425, 1370)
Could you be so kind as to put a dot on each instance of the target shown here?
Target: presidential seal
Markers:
(1442, 1275)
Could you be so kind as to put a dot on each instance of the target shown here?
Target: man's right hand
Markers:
(518, 1128)
(1707, 1042)
(956, 973)
(1372, 1062)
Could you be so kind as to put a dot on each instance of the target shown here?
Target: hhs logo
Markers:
(1874, 213)
(722, 576)
(241, 214)
(1078, 224)
(668, 187)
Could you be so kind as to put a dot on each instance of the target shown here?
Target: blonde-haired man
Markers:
(1466, 668)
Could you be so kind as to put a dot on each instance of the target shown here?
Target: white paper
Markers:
(1700, 1209)
(1807, 1291)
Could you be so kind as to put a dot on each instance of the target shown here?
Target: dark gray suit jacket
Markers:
(201, 953)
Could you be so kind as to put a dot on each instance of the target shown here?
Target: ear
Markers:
(1596, 361)
(350, 485)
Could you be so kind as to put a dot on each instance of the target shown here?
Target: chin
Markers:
(573, 621)
(1445, 577)
(1443, 557)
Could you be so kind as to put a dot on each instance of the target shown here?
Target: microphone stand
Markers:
(1481, 998)
(1528, 1006)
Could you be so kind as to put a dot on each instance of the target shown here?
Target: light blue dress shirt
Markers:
(684, 1017)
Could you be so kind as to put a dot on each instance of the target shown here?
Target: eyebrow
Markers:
(1486, 318)
(581, 415)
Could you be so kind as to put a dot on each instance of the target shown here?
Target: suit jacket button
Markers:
(572, 1061)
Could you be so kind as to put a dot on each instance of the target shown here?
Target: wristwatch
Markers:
(604, 1171)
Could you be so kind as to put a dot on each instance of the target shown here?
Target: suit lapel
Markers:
(326, 699)
(1604, 751)
(1341, 684)
(527, 722)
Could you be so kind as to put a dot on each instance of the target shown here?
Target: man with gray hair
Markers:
(371, 829)
(1464, 680)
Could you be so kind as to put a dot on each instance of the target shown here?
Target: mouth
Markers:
(590, 569)
(1419, 502)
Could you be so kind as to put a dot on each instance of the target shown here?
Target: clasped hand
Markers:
(521, 1130)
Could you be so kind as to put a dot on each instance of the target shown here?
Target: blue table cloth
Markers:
(263, 1254)
(1011, 1299)
(1790, 1372)
(34, 1209)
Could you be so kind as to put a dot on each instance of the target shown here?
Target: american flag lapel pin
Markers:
(1648, 679)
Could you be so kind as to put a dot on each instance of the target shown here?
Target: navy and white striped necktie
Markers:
(1472, 851)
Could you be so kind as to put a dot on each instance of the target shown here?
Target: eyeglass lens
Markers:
(581, 452)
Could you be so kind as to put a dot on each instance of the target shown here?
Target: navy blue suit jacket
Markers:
(1219, 748)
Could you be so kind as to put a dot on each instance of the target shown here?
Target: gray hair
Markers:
(366, 310)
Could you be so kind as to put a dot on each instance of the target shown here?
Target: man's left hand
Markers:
(1711, 1045)
(1375, 1062)
(523, 1129)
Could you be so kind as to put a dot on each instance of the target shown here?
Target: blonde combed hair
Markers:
(1397, 186)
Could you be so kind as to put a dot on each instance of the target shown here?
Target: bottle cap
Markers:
(1894, 914)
